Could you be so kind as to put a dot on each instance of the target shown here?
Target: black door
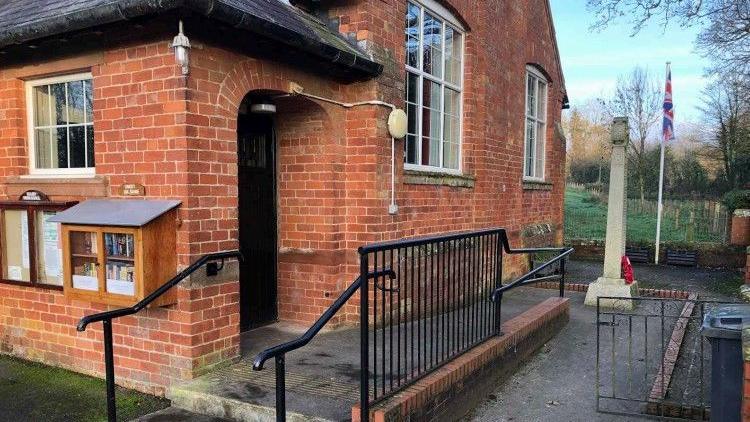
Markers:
(257, 219)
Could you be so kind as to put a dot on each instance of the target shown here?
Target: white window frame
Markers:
(31, 156)
(532, 72)
(440, 12)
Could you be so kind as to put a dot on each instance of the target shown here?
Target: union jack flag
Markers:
(668, 123)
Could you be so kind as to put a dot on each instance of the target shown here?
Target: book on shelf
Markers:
(119, 244)
(88, 269)
(121, 272)
(89, 244)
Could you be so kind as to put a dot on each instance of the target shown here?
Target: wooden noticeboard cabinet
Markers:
(118, 265)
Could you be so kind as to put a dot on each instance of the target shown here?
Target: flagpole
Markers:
(661, 190)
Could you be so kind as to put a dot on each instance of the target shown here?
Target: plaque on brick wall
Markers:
(132, 189)
(33, 196)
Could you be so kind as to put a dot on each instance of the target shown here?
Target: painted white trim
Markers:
(433, 169)
(448, 20)
(31, 145)
(532, 72)
(536, 72)
(442, 12)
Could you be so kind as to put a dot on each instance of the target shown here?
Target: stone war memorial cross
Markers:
(612, 283)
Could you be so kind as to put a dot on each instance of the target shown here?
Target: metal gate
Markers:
(651, 359)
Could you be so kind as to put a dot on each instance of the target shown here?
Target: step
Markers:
(173, 414)
(240, 394)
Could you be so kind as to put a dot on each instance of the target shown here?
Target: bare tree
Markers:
(638, 97)
(724, 38)
(727, 111)
(588, 133)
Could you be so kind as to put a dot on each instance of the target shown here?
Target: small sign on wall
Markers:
(132, 189)
(33, 196)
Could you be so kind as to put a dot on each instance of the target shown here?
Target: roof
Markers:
(115, 212)
(23, 21)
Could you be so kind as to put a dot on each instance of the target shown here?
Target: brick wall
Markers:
(176, 135)
(140, 121)
(152, 350)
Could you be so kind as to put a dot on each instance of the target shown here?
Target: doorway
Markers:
(256, 178)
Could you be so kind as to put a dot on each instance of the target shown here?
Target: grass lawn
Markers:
(31, 391)
(586, 218)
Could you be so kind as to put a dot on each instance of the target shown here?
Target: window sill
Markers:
(536, 185)
(62, 186)
(419, 177)
(32, 285)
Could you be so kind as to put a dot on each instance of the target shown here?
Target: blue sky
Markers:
(592, 60)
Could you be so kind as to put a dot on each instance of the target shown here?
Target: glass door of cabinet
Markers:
(84, 257)
(119, 256)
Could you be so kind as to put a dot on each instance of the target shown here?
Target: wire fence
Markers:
(679, 226)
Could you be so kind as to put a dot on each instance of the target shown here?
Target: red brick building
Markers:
(93, 104)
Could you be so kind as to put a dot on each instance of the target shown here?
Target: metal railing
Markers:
(107, 317)
(431, 300)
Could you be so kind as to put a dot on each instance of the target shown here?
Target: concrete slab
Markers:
(173, 414)
(322, 378)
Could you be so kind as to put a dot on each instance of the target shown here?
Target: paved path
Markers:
(722, 284)
(557, 384)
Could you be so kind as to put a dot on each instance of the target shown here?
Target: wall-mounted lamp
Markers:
(263, 108)
(181, 45)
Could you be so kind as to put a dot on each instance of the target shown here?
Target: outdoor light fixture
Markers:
(181, 45)
(263, 108)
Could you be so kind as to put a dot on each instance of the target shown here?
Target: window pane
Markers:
(542, 101)
(450, 155)
(430, 123)
(452, 102)
(84, 260)
(411, 114)
(49, 251)
(90, 146)
(43, 148)
(77, 147)
(59, 112)
(15, 247)
(89, 100)
(76, 99)
(539, 171)
(61, 143)
(431, 94)
(410, 147)
(430, 151)
(452, 56)
(41, 105)
(119, 249)
(412, 35)
(433, 45)
(530, 96)
(64, 106)
(530, 128)
(412, 88)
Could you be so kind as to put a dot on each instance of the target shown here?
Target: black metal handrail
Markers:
(470, 261)
(279, 352)
(107, 317)
(531, 276)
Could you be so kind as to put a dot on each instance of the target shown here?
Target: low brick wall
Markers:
(740, 232)
(582, 287)
(746, 373)
(709, 255)
(454, 389)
